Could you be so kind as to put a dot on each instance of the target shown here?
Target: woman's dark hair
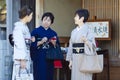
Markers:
(48, 14)
(10, 37)
(83, 13)
(24, 11)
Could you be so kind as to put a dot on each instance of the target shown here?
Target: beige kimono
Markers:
(76, 35)
(22, 38)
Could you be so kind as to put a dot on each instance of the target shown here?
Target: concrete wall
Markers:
(6, 50)
(3, 51)
(63, 11)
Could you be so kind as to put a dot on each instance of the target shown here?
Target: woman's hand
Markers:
(70, 64)
(39, 43)
(53, 40)
(44, 39)
(23, 64)
(83, 39)
(33, 39)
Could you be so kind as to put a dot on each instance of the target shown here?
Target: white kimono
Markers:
(21, 37)
(76, 35)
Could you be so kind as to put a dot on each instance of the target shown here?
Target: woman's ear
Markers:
(82, 18)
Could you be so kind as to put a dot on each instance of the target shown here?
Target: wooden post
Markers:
(39, 11)
(94, 17)
(58, 73)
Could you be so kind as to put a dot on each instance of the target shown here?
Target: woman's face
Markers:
(30, 17)
(46, 22)
(77, 19)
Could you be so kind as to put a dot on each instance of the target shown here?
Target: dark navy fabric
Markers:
(42, 68)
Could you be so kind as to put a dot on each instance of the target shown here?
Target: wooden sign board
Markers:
(101, 29)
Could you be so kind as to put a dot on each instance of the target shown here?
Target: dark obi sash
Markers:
(78, 48)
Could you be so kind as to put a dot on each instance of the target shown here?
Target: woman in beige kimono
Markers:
(81, 34)
(22, 38)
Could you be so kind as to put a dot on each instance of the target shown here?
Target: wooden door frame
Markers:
(39, 11)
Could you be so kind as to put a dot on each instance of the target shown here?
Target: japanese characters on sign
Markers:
(101, 29)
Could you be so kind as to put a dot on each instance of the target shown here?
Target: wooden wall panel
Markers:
(107, 9)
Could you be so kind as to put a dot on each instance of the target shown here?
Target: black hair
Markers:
(10, 37)
(48, 14)
(83, 13)
(24, 11)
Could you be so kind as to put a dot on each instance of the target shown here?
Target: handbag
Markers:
(91, 63)
(54, 53)
(24, 76)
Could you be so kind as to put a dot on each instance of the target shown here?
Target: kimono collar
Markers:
(22, 22)
(45, 28)
(19, 23)
(79, 27)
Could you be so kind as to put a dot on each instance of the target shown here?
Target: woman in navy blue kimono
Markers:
(42, 69)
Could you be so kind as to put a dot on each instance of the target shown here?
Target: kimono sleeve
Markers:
(91, 38)
(69, 53)
(19, 43)
(90, 44)
(33, 47)
(58, 42)
(33, 34)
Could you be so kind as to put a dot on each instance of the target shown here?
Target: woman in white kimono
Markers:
(22, 37)
(81, 34)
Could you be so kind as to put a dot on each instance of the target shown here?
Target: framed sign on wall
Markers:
(101, 28)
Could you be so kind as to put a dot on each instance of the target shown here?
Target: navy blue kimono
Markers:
(42, 69)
